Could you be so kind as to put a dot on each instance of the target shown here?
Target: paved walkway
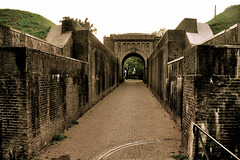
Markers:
(128, 124)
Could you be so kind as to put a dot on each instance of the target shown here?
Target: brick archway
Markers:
(129, 53)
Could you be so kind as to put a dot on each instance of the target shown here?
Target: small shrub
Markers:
(57, 137)
(179, 156)
(74, 122)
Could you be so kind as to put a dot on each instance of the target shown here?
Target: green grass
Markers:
(72, 124)
(179, 156)
(26, 22)
(226, 19)
(57, 137)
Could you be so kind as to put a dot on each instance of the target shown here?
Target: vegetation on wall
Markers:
(226, 19)
(160, 32)
(84, 24)
(26, 22)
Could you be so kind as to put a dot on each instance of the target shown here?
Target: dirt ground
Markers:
(128, 124)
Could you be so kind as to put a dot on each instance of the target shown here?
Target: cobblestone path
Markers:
(128, 124)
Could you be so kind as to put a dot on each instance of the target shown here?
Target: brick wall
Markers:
(13, 101)
(223, 109)
(226, 37)
(13, 38)
(211, 60)
(174, 89)
(189, 101)
(210, 99)
(42, 92)
(39, 98)
(102, 64)
(163, 83)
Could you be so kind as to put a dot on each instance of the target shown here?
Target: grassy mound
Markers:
(26, 22)
(224, 20)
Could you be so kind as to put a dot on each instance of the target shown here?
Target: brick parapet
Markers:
(230, 36)
(211, 60)
(13, 38)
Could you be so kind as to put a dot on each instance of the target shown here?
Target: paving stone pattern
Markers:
(128, 114)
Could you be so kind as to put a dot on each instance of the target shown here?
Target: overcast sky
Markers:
(124, 16)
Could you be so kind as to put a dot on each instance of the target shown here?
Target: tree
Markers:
(84, 24)
(160, 32)
(134, 62)
(92, 28)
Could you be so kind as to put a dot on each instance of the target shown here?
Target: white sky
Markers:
(124, 16)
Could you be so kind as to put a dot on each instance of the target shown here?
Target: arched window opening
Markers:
(128, 46)
(119, 47)
(143, 47)
(124, 46)
(148, 47)
(138, 46)
(133, 45)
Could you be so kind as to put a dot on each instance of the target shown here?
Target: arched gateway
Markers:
(132, 44)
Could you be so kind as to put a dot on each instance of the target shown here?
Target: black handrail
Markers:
(196, 130)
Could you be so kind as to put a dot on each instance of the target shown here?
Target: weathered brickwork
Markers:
(189, 101)
(39, 98)
(223, 107)
(103, 68)
(44, 87)
(13, 102)
(188, 86)
(127, 45)
(163, 83)
(122, 42)
(210, 99)
(174, 89)
(12, 107)
(13, 38)
(226, 37)
(42, 93)
(102, 64)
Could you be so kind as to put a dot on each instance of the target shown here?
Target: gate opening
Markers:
(133, 67)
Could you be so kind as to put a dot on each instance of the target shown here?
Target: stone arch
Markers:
(129, 53)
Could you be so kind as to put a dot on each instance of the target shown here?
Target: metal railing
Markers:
(196, 131)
